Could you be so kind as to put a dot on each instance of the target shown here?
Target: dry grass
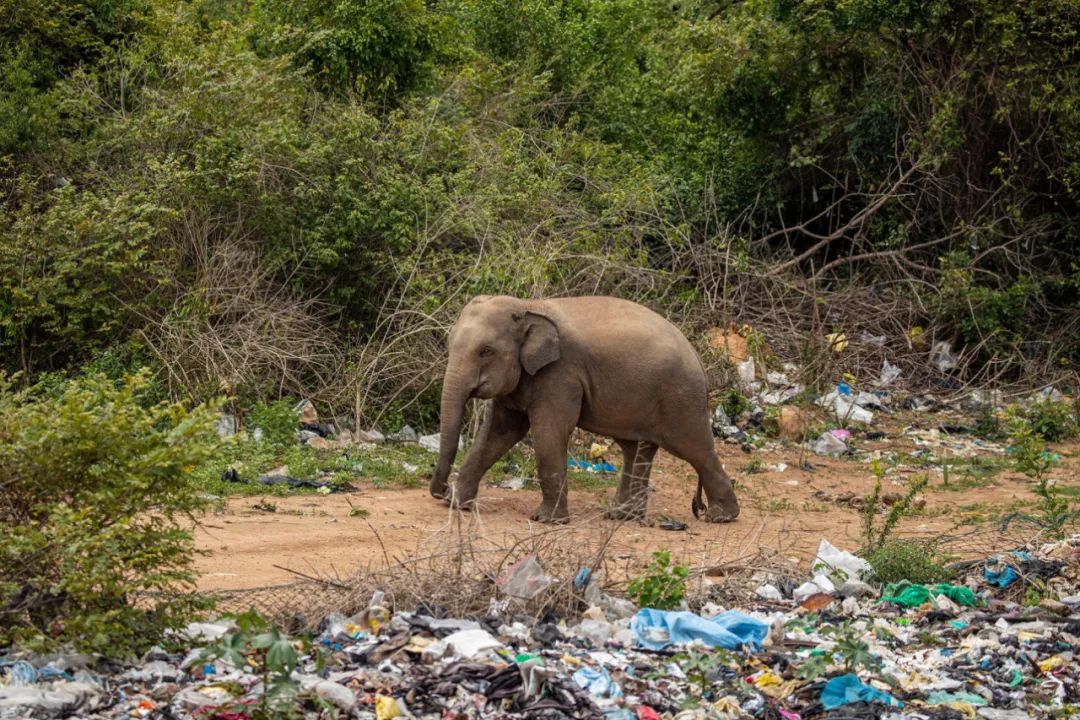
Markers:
(455, 571)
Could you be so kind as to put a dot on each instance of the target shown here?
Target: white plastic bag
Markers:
(746, 371)
(840, 565)
(525, 579)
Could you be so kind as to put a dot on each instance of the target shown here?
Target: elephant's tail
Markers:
(697, 506)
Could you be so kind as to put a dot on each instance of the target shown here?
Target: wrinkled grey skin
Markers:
(608, 366)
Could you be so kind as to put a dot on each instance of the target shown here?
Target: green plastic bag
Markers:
(908, 594)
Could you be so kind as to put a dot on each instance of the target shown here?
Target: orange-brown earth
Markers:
(783, 510)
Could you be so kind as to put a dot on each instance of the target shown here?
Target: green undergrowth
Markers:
(959, 474)
(387, 466)
(95, 497)
(918, 560)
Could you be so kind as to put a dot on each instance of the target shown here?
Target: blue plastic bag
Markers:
(597, 682)
(656, 629)
(997, 572)
(847, 689)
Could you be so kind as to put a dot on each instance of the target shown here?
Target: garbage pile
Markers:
(836, 646)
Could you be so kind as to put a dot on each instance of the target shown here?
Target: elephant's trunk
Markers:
(455, 394)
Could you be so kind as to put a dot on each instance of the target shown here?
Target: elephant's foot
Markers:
(462, 501)
(550, 514)
(719, 514)
(625, 511)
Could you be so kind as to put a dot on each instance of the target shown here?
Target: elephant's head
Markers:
(494, 340)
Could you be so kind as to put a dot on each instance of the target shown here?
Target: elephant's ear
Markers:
(539, 341)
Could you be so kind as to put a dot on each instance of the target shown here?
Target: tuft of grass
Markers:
(917, 561)
(754, 465)
(975, 472)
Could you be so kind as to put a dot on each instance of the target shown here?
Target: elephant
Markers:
(606, 365)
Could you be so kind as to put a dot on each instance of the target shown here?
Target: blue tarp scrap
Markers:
(656, 629)
(847, 689)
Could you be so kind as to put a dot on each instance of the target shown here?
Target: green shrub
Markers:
(277, 420)
(1031, 457)
(94, 485)
(663, 585)
(258, 644)
(735, 404)
(1054, 421)
(895, 559)
(303, 462)
(917, 561)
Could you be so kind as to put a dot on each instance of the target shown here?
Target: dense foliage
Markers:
(95, 492)
(233, 190)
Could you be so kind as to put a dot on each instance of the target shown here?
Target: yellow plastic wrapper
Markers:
(386, 708)
(771, 684)
(837, 341)
(1052, 663)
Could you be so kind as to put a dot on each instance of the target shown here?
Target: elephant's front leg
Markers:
(501, 429)
(633, 492)
(551, 428)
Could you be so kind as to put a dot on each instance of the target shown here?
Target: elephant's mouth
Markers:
(483, 391)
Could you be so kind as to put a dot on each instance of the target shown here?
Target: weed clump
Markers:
(1031, 457)
(896, 559)
(663, 585)
(1053, 420)
(277, 420)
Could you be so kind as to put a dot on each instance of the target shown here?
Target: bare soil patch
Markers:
(247, 546)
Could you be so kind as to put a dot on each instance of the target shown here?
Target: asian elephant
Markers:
(608, 366)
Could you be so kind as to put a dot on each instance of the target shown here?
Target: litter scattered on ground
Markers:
(597, 467)
(833, 442)
(283, 479)
(950, 651)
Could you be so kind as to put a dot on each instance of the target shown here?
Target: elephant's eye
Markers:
(486, 352)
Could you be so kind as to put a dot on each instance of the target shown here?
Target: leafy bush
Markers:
(1052, 420)
(735, 404)
(93, 488)
(662, 586)
(262, 646)
(277, 420)
(1031, 457)
(378, 49)
(303, 462)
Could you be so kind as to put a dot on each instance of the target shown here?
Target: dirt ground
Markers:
(789, 511)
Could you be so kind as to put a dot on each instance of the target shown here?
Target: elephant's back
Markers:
(612, 317)
(624, 332)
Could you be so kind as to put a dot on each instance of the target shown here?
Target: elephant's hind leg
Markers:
(632, 495)
(697, 448)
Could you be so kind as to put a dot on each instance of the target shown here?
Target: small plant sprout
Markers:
(663, 585)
